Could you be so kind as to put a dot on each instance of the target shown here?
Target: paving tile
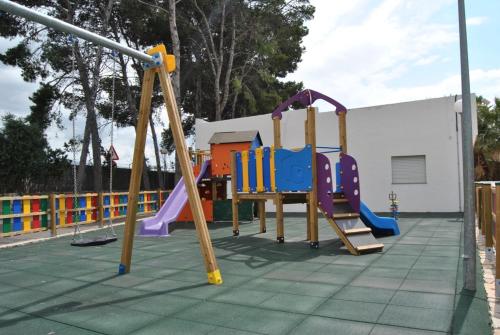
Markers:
(214, 313)
(292, 303)
(395, 261)
(264, 284)
(377, 282)
(424, 300)
(229, 331)
(350, 310)
(266, 321)
(432, 274)
(112, 320)
(433, 286)
(320, 325)
(174, 326)
(386, 272)
(16, 323)
(366, 294)
(406, 249)
(243, 296)
(312, 289)
(420, 318)
(391, 330)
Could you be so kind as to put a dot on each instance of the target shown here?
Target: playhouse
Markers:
(212, 170)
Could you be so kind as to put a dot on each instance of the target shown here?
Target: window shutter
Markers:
(408, 169)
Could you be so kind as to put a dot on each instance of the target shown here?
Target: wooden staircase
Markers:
(351, 230)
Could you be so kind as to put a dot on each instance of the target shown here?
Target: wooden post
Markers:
(234, 200)
(280, 227)
(277, 133)
(135, 175)
(214, 189)
(487, 222)
(53, 220)
(100, 208)
(262, 215)
(343, 132)
(313, 195)
(484, 197)
(158, 199)
(213, 272)
(308, 208)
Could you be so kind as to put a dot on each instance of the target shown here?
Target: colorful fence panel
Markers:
(28, 214)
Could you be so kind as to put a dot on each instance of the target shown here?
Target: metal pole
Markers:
(468, 162)
(59, 25)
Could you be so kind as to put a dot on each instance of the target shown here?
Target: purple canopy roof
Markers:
(306, 98)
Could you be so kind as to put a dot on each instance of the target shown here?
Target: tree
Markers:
(487, 145)
(48, 55)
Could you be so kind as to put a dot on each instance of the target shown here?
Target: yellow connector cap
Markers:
(214, 277)
(168, 60)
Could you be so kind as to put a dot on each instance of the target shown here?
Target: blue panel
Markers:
(293, 170)
(17, 208)
(266, 167)
(239, 173)
(337, 177)
(252, 171)
(82, 203)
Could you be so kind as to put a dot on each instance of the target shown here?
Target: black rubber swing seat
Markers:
(89, 242)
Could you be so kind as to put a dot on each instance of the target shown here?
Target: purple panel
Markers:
(350, 180)
(325, 189)
(306, 98)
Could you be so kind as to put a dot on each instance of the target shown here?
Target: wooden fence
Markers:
(34, 213)
(488, 220)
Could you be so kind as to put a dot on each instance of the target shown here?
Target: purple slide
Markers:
(158, 225)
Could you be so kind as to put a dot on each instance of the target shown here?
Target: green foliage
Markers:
(167, 139)
(487, 145)
(28, 163)
(43, 99)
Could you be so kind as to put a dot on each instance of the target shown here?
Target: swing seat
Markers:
(89, 242)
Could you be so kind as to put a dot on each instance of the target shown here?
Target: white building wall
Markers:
(374, 135)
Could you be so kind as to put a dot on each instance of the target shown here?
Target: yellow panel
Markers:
(168, 60)
(26, 210)
(89, 204)
(62, 216)
(244, 166)
(273, 181)
(260, 173)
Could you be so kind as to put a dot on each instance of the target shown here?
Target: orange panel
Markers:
(221, 156)
(187, 216)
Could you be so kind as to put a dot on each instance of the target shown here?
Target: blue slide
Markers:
(379, 225)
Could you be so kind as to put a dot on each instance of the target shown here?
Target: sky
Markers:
(360, 52)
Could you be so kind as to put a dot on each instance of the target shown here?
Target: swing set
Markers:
(156, 62)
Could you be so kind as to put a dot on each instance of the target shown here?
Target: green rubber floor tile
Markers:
(312, 289)
(27, 324)
(214, 313)
(164, 304)
(359, 261)
(172, 326)
(26, 279)
(91, 291)
(292, 275)
(428, 274)
(165, 285)
(315, 325)
(377, 282)
(302, 266)
(386, 272)
(365, 294)
(440, 241)
(395, 261)
(391, 330)
(407, 249)
(152, 272)
(350, 310)
(432, 286)
(22, 298)
(293, 303)
(266, 321)
(341, 268)
(443, 251)
(61, 286)
(471, 316)
(436, 263)
(423, 300)
(199, 291)
(340, 278)
(264, 284)
(243, 296)
(229, 331)
(420, 318)
(126, 281)
(414, 240)
(112, 320)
